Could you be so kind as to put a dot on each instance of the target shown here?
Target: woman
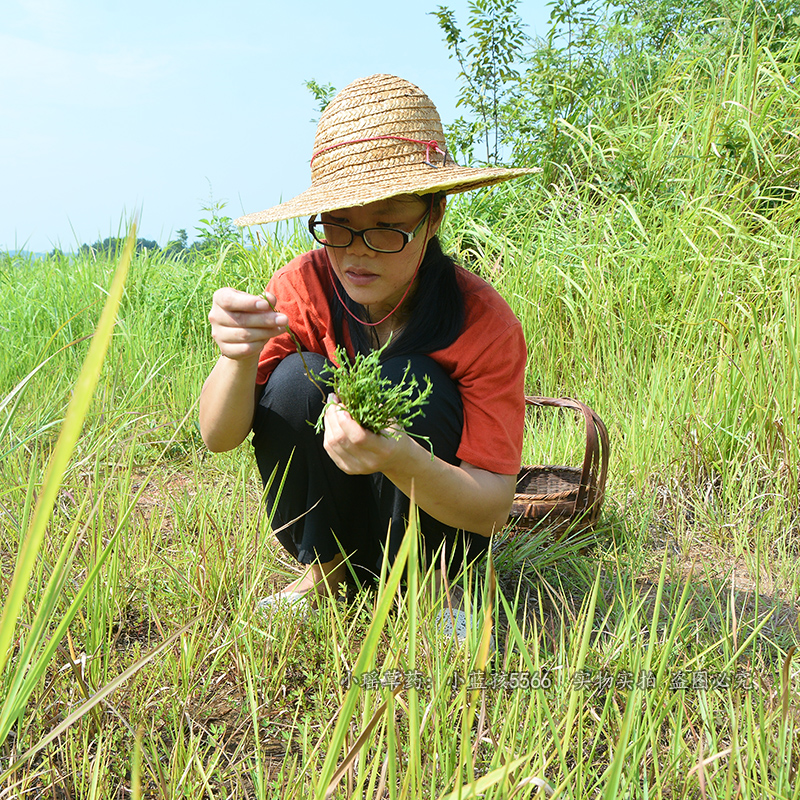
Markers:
(380, 175)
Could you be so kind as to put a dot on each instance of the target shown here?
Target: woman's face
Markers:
(379, 280)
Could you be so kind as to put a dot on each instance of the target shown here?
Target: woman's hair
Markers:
(436, 307)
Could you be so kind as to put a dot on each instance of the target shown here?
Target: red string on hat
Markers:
(429, 145)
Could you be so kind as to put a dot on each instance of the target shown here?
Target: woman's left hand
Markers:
(356, 450)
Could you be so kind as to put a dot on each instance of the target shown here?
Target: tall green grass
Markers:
(680, 288)
(657, 280)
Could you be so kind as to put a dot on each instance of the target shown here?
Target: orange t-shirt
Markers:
(486, 361)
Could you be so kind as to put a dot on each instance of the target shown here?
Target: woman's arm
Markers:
(461, 495)
(241, 324)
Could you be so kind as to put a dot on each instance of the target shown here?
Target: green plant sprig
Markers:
(296, 343)
(371, 399)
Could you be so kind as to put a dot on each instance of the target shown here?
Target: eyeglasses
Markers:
(383, 240)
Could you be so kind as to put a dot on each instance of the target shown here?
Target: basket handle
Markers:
(595, 459)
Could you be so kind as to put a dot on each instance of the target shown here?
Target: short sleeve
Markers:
(301, 289)
(493, 396)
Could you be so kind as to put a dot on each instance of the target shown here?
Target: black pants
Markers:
(321, 511)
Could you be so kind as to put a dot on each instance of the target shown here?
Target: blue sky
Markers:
(112, 108)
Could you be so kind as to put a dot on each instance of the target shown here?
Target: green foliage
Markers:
(215, 232)
(721, 125)
(488, 60)
(674, 222)
(373, 401)
(663, 27)
(21, 675)
(656, 277)
(322, 93)
(216, 229)
(515, 90)
(178, 246)
(599, 59)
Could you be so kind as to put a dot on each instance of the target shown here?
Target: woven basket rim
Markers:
(579, 500)
(541, 498)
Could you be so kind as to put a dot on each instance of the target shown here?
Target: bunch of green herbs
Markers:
(371, 399)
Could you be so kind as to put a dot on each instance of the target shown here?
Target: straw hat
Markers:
(379, 137)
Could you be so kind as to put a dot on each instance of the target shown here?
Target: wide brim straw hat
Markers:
(379, 137)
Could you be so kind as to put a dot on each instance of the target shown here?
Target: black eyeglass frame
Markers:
(353, 233)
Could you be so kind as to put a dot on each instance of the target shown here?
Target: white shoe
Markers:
(448, 622)
(281, 600)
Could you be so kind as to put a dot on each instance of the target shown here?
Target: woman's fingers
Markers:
(236, 308)
(353, 449)
(242, 323)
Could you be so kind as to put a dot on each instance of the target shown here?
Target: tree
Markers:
(112, 246)
(597, 56)
(488, 58)
(178, 246)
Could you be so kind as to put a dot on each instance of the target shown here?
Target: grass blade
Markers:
(70, 431)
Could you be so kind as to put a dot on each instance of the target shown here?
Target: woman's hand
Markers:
(241, 323)
(461, 495)
(356, 450)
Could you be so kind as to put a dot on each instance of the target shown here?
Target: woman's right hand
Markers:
(241, 323)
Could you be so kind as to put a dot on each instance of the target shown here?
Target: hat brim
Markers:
(381, 184)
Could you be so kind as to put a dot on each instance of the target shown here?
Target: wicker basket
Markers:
(564, 498)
